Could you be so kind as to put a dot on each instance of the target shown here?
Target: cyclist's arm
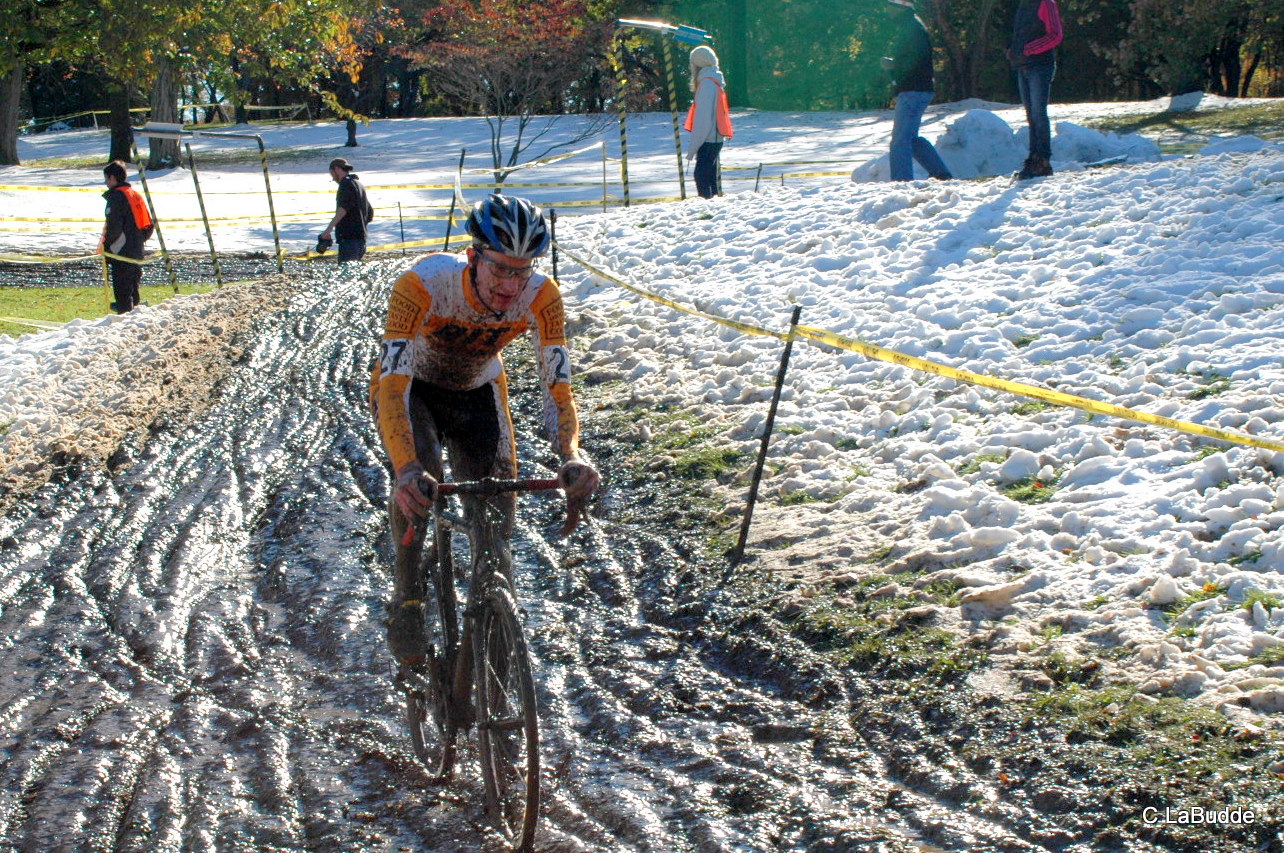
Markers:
(407, 308)
(549, 329)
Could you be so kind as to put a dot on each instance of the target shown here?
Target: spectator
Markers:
(911, 68)
(708, 120)
(352, 214)
(126, 228)
(1036, 32)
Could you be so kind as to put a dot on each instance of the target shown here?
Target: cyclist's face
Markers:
(500, 278)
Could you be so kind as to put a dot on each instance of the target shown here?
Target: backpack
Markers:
(142, 217)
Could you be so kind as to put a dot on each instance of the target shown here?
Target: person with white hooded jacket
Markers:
(709, 120)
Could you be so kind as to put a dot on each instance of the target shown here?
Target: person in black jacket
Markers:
(353, 212)
(126, 227)
(1036, 32)
(911, 68)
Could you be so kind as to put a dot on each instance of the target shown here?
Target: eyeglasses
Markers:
(504, 271)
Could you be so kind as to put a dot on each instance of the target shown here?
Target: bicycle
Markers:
(493, 645)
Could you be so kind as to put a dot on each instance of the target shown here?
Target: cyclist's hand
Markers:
(579, 480)
(415, 491)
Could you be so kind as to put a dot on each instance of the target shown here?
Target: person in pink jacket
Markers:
(1036, 32)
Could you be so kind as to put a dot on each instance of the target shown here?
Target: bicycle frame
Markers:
(488, 655)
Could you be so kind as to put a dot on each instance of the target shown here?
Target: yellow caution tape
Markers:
(22, 188)
(11, 258)
(533, 163)
(677, 306)
(144, 262)
(35, 324)
(833, 339)
(4, 219)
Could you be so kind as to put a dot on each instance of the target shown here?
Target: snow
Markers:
(1156, 284)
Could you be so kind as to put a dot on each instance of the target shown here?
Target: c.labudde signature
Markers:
(1224, 816)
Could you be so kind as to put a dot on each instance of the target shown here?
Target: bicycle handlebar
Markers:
(488, 487)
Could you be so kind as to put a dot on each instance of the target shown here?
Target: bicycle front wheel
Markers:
(507, 723)
(428, 685)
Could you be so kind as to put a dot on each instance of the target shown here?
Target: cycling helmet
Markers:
(509, 225)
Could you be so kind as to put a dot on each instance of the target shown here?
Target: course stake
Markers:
(738, 553)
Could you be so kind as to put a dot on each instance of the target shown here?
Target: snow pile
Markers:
(1159, 287)
(78, 392)
(981, 144)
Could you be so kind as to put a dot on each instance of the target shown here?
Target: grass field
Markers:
(61, 304)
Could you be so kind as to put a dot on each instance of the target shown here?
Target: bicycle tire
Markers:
(507, 719)
(432, 735)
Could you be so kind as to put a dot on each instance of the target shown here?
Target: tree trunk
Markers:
(10, 92)
(122, 132)
(352, 135)
(1248, 74)
(164, 103)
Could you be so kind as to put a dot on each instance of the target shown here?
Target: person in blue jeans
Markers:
(910, 66)
(708, 121)
(1036, 32)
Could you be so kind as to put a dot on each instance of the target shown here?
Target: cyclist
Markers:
(440, 382)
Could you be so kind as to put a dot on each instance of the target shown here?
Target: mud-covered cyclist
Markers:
(440, 381)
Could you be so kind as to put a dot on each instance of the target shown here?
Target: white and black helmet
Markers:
(509, 225)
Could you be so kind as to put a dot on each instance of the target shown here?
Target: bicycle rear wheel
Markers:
(427, 686)
(507, 723)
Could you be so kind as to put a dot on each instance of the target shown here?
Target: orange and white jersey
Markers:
(439, 332)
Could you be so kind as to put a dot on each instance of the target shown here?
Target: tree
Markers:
(36, 31)
(1186, 45)
(512, 63)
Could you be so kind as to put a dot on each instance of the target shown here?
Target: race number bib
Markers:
(394, 357)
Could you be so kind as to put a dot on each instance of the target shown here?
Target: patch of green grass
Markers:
(855, 639)
(847, 443)
(707, 462)
(1178, 607)
(1213, 386)
(981, 458)
(1246, 559)
(1024, 340)
(797, 499)
(792, 430)
(63, 304)
(1051, 631)
(1207, 451)
(1183, 631)
(1264, 120)
(1030, 407)
(944, 592)
(1064, 669)
(1269, 600)
(1096, 603)
(1032, 490)
(857, 472)
(878, 555)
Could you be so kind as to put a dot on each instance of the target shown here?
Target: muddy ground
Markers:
(193, 658)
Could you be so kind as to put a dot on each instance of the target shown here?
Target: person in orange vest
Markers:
(127, 227)
(708, 120)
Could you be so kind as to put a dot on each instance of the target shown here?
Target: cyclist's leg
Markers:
(405, 624)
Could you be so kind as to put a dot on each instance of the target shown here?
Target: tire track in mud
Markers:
(192, 657)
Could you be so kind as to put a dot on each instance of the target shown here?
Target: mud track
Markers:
(191, 658)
